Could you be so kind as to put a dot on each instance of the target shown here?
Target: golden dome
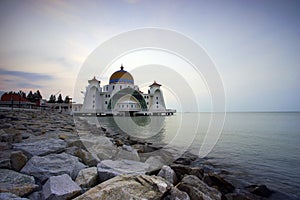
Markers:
(121, 76)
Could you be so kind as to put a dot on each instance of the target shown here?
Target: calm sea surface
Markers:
(256, 148)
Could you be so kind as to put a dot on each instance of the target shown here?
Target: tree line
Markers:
(59, 99)
(36, 96)
(32, 97)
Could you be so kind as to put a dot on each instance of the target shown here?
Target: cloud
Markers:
(26, 75)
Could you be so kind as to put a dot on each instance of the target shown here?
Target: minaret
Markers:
(91, 101)
(157, 101)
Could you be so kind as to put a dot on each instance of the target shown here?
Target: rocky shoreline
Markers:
(45, 156)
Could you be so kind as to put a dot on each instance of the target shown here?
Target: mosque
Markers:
(122, 97)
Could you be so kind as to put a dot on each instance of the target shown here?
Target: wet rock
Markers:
(108, 169)
(100, 146)
(87, 158)
(52, 165)
(18, 160)
(37, 195)
(60, 188)
(182, 170)
(87, 177)
(197, 189)
(42, 147)
(137, 187)
(155, 162)
(176, 194)
(5, 163)
(5, 146)
(216, 181)
(260, 190)
(123, 154)
(167, 173)
(10, 135)
(242, 196)
(76, 143)
(10, 196)
(186, 159)
(16, 183)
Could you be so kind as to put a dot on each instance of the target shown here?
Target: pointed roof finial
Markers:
(122, 67)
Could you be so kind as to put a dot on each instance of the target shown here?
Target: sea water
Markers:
(256, 148)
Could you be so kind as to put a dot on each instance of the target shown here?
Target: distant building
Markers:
(12, 99)
(122, 97)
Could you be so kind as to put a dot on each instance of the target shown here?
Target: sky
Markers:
(253, 44)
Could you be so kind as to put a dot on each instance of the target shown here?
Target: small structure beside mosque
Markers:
(122, 97)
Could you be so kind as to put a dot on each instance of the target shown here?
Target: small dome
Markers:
(121, 76)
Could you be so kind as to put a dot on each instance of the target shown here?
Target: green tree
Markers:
(59, 99)
(52, 99)
(30, 96)
(67, 99)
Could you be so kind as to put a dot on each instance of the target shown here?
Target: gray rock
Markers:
(242, 196)
(216, 181)
(155, 162)
(176, 194)
(5, 163)
(197, 189)
(260, 190)
(87, 158)
(60, 188)
(41, 147)
(37, 195)
(123, 154)
(18, 160)
(5, 146)
(10, 196)
(87, 177)
(16, 183)
(10, 135)
(167, 173)
(138, 187)
(100, 146)
(52, 165)
(108, 169)
(182, 170)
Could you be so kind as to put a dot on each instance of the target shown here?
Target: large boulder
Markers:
(176, 194)
(87, 177)
(197, 189)
(10, 196)
(18, 160)
(41, 147)
(242, 196)
(182, 170)
(260, 190)
(155, 162)
(128, 187)
(43, 167)
(87, 157)
(167, 173)
(108, 169)
(99, 145)
(216, 181)
(127, 154)
(10, 135)
(60, 188)
(16, 183)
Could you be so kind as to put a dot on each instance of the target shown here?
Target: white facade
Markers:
(121, 97)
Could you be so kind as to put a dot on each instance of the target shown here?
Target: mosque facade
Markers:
(122, 97)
